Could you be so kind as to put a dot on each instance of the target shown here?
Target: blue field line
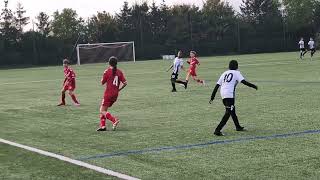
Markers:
(169, 148)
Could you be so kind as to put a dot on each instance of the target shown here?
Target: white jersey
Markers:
(177, 65)
(228, 82)
(301, 44)
(311, 44)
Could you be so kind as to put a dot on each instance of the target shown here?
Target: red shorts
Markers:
(108, 101)
(193, 72)
(71, 86)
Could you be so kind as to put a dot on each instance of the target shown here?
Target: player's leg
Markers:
(235, 117)
(195, 78)
(305, 51)
(188, 76)
(225, 118)
(104, 114)
(103, 111)
(173, 82)
(73, 97)
(313, 51)
(301, 54)
(63, 97)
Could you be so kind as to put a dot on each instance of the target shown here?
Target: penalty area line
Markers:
(69, 160)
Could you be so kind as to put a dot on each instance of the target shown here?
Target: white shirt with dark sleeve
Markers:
(228, 82)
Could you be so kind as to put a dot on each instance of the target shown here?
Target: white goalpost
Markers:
(101, 52)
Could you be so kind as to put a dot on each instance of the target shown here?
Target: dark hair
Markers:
(66, 61)
(194, 52)
(113, 61)
(233, 65)
(180, 52)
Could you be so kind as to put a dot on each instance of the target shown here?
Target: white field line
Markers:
(69, 160)
(88, 77)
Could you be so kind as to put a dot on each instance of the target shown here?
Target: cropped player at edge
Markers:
(194, 62)
(177, 65)
(115, 82)
(69, 84)
(228, 82)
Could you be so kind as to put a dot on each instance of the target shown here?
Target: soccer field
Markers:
(166, 135)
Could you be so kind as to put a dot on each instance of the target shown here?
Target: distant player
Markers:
(228, 82)
(177, 66)
(194, 63)
(303, 50)
(69, 84)
(115, 81)
(312, 47)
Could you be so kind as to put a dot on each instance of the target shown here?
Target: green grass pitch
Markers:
(153, 117)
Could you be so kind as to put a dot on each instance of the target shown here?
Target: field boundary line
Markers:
(69, 160)
(199, 145)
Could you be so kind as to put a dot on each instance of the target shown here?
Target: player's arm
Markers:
(104, 78)
(249, 84)
(170, 68)
(214, 92)
(123, 85)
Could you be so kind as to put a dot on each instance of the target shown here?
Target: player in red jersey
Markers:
(194, 62)
(115, 81)
(69, 84)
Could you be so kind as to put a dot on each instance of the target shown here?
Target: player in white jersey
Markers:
(228, 82)
(312, 47)
(303, 50)
(177, 66)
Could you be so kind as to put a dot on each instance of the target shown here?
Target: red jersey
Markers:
(112, 81)
(69, 74)
(193, 63)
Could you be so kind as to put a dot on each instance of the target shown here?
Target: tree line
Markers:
(216, 28)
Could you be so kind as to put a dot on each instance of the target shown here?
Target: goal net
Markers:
(101, 52)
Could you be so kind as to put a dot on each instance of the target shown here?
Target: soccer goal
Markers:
(101, 52)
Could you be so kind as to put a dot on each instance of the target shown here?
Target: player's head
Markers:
(180, 54)
(113, 61)
(66, 62)
(311, 39)
(193, 54)
(301, 38)
(233, 65)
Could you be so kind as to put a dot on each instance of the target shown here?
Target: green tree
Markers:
(219, 17)
(8, 30)
(102, 28)
(139, 19)
(66, 25)
(125, 23)
(43, 24)
(258, 12)
(20, 19)
(302, 16)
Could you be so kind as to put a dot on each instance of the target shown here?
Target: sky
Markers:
(87, 8)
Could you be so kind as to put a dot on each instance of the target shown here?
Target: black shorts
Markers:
(302, 49)
(174, 76)
(313, 50)
(228, 102)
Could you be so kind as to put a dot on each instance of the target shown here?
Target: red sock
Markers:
(63, 98)
(102, 120)
(74, 99)
(110, 117)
